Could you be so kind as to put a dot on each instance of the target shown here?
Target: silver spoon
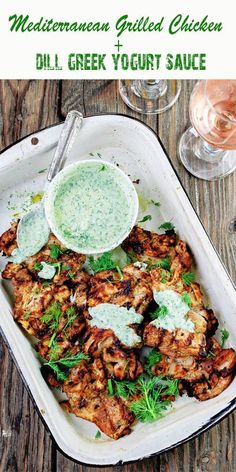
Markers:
(33, 229)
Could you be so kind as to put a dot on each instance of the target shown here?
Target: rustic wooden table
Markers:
(26, 106)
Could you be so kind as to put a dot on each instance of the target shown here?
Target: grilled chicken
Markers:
(68, 263)
(43, 310)
(8, 240)
(203, 379)
(119, 363)
(181, 342)
(132, 290)
(147, 245)
(88, 398)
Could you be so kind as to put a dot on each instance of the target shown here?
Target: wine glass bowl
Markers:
(208, 148)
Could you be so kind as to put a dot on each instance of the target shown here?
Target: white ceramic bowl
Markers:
(63, 177)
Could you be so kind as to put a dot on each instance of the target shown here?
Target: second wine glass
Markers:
(149, 96)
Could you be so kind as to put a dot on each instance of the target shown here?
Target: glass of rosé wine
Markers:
(208, 148)
(149, 96)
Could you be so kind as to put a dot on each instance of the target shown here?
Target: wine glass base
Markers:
(201, 163)
(149, 97)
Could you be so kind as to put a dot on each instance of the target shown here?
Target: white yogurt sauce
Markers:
(177, 310)
(47, 272)
(118, 319)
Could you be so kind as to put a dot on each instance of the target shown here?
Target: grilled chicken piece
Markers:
(118, 362)
(146, 244)
(86, 389)
(202, 379)
(70, 262)
(133, 290)
(43, 310)
(8, 239)
(181, 342)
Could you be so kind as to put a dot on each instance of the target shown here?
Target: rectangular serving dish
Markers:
(137, 150)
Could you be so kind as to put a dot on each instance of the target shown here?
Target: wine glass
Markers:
(208, 148)
(149, 96)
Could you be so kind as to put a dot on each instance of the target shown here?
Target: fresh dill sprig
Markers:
(153, 358)
(71, 316)
(98, 434)
(62, 365)
(160, 263)
(224, 336)
(157, 204)
(125, 388)
(188, 278)
(150, 406)
(52, 316)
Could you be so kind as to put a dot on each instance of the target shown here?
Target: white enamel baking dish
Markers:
(136, 149)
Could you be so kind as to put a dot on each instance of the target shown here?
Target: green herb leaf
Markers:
(52, 316)
(102, 168)
(125, 388)
(145, 218)
(186, 298)
(62, 365)
(71, 316)
(27, 315)
(224, 336)
(188, 278)
(119, 272)
(153, 358)
(150, 406)
(159, 312)
(98, 434)
(157, 204)
(162, 263)
(38, 266)
(131, 256)
(167, 226)
(55, 251)
(110, 388)
(210, 354)
(105, 262)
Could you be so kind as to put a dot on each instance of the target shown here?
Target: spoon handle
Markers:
(70, 129)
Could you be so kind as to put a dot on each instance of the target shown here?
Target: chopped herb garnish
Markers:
(105, 262)
(42, 171)
(55, 251)
(65, 267)
(27, 315)
(52, 316)
(153, 358)
(38, 266)
(110, 387)
(224, 336)
(102, 168)
(145, 218)
(186, 298)
(46, 284)
(165, 276)
(71, 316)
(167, 226)
(57, 265)
(157, 204)
(70, 274)
(159, 312)
(98, 434)
(62, 365)
(188, 278)
(125, 388)
(163, 263)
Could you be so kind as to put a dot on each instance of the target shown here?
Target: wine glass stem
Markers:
(150, 89)
(203, 150)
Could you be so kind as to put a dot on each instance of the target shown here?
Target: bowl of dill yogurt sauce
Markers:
(91, 206)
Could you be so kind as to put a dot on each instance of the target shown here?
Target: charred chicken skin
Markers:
(203, 379)
(86, 389)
